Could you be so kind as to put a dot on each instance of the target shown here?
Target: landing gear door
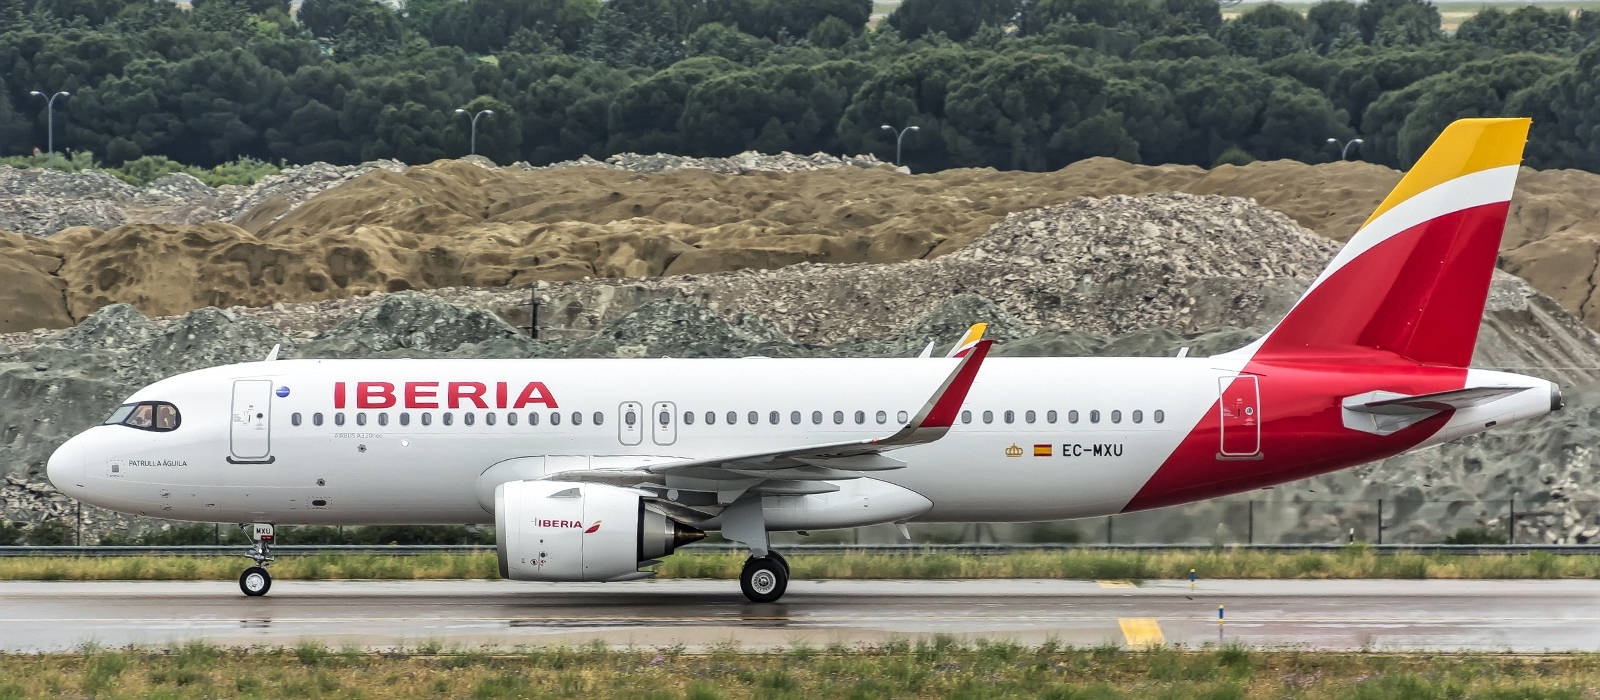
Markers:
(663, 423)
(250, 430)
(630, 423)
(1240, 408)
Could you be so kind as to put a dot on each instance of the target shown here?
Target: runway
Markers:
(1522, 616)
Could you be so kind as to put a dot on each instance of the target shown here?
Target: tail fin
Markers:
(1413, 279)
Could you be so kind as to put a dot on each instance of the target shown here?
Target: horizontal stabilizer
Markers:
(1435, 403)
(1386, 412)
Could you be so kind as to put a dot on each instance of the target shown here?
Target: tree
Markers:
(1526, 28)
(1035, 112)
(644, 115)
(956, 19)
(776, 108)
(1398, 22)
(1334, 24)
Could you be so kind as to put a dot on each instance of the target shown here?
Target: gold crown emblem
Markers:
(1013, 451)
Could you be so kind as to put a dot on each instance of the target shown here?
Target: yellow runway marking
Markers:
(1115, 584)
(1142, 631)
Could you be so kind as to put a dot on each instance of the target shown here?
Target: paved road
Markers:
(1397, 615)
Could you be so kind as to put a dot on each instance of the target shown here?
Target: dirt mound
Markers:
(458, 223)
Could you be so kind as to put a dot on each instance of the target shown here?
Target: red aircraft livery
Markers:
(417, 395)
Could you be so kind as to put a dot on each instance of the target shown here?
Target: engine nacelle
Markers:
(568, 531)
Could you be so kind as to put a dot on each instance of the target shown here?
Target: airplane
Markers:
(594, 469)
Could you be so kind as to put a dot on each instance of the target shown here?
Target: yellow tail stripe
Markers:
(1467, 146)
(1142, 631)
(974, 333)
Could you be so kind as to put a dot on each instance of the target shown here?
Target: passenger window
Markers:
(468, 418)
(533, 418)
(1029, 416)
(903, 416)
(816, 417)
(794, 417)
(488, 418)
(1116, 416)
(1160, 416)
(294, 419)
(772, 417)
(511, 418)
(1138, 416)
(861, 417)
(838, 417)
(405, 418)
(361, 419)
(753, 418)
(988, 417)
(966, 416)
(577, 418)
(599, 418)
(1094, 416)
(688, 417)
(555, 418)
(1072, 416)
(427, 419)
(882, 417)
(1011, 417)
(1050, 416)
(665, 418)
(383, 419)
(338, 418)
(447, 418)
(711, 417)
(733, 417)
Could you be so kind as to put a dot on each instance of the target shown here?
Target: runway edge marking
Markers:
(1142, 631)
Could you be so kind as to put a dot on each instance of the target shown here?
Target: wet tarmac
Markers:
(1522, 616)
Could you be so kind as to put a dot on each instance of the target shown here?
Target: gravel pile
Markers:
(746, 162)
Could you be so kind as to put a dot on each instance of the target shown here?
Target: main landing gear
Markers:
(255, 581)
(764, 579)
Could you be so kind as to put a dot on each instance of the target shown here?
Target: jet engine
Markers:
(568, 531)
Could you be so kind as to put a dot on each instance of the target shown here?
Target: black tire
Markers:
(255, 581)
(781, 561)
(764, 579)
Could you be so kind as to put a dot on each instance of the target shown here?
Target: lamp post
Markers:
(1344, 150)
(899, 135)
(50, 119)
(480, 113)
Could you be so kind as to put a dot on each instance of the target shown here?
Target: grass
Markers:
(1356, 561)
(939, 667)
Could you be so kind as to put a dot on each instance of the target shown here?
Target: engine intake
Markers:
(568, 531)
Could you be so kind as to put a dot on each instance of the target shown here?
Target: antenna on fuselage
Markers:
(274, 354)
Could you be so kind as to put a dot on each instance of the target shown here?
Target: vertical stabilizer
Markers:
(1413, 279)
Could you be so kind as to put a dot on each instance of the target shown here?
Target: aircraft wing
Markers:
(787, 470)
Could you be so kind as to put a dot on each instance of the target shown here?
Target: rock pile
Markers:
(739, 164)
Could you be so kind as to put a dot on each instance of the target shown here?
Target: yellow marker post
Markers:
(1191, 579)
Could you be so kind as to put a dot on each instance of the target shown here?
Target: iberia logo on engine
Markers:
(567, 524)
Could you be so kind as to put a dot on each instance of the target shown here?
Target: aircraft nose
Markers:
(65, 468)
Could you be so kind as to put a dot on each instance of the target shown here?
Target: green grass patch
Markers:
(938, 667)
(1351, 562)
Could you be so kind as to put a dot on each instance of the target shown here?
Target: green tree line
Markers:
(1011, 84)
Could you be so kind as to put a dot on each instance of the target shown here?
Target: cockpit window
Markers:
(157, 416)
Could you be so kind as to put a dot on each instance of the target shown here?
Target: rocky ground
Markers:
(1114, 276)
(323, 232)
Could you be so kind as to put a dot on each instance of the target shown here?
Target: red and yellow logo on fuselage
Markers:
(417, 395)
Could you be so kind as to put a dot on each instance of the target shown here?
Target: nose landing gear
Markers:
(255, 581)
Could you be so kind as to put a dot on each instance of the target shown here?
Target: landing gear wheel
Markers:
(255, 581)
(764, 579)
(781, 561)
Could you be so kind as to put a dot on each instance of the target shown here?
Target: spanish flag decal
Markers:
(1041, 450)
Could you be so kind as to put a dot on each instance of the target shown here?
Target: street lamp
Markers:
(1344, 150)
(480, 113)
(50, 119)
(898, 137)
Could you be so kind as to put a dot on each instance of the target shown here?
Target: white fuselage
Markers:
(270, 442)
